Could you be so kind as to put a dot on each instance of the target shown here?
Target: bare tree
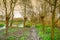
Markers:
(7, 15)
(12, 6)
(53, 3)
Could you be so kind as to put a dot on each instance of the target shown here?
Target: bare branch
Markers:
(49, 3)
(58, 5)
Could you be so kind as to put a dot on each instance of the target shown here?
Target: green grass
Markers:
(1, 25)
(15, 38)
(47, 33)
(11, 38)
(10, 30)
(45, 36)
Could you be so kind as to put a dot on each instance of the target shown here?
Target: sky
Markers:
(17, 14)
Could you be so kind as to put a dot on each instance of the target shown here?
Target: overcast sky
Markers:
(17, 14)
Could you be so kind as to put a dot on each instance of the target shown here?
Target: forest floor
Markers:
(29, 33)
(19, 34)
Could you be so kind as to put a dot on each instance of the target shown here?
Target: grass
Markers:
(11, 38)
(45, 36)
(47, 33)
(15, 38)
(10, 30)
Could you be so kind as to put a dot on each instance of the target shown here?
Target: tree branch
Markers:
(49, 3)
(58, 5)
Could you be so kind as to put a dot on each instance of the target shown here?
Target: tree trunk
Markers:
(7, 24)
(42, 19)
(24, 22)
(25, 15)
(11, 20)
(39, 18)
(7, 19)
(53, 26)
(53, 21)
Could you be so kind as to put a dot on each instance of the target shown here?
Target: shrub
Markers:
(21, 38)
(1, 25)
(11, 38)
(47, 37)
(28, 25)
(38, 25)
(48, 30)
